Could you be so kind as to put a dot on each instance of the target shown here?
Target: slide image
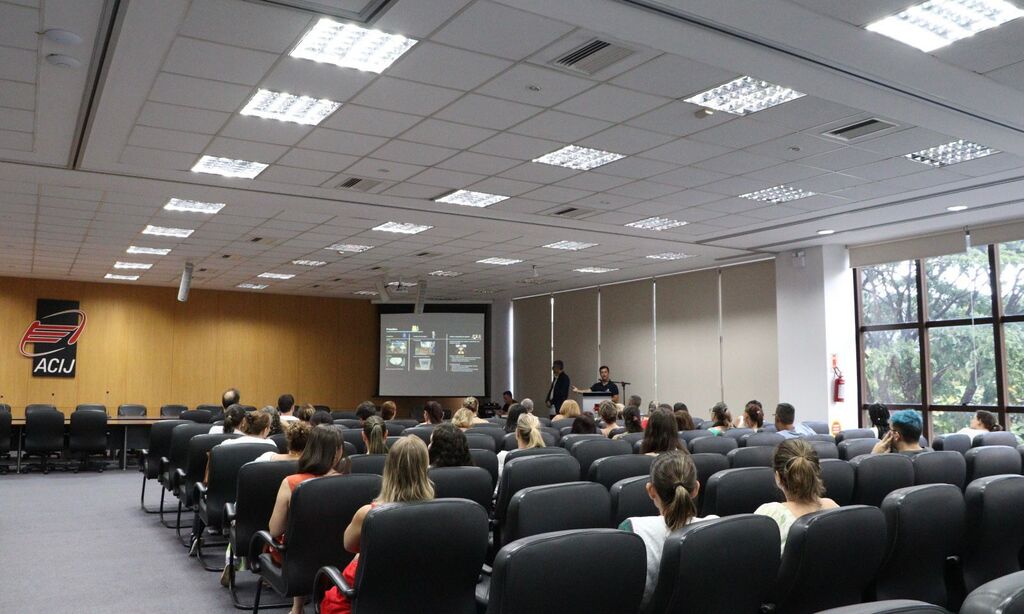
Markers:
(398, 346)
(424, 347)
(423, 364)
(396, 362)
(460, 349)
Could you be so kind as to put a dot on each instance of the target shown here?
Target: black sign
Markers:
(54, 336)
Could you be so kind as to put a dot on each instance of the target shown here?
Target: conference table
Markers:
(131, 432)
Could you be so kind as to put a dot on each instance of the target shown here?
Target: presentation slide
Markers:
(432, 354)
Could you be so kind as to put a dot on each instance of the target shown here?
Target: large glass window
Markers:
(889, 293)
(963, 369)
(1011, 278)
(1014, 335)
(892, 366)
(959, 286)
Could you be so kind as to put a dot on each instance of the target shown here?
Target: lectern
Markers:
(592, 401)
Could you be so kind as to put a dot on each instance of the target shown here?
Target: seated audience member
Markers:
(798, 474)
(473, 405)
(584, 425)
(982, 422)
(661, 434)
(631, 420)
(527, 405)
(232, 419)
(449, 447)
(286, 407)
(255, 428)
(405, 481)
(275, 419)
(364, 410)
(878, 414)
(324, 451)
(230, 397)
(321, 417)
(634, 401)
(904, 436)
(433, 413)
(609, 413)
(388, 410)
(512, 416)
(721, 419)
(508, 402)
(785, 414)
(296, 434)
(375, 435)
(305, 413)
(569, 409)
(684, 421)
(752, 416)
(463, 418)
(527, 436)
(673, 488)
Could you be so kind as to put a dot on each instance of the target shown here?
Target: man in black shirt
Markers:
(560, 386)
(604, 384)
(507, 398)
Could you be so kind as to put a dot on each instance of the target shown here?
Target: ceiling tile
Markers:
(317, 79)
(364, 120)
(841, 159)
(245, 150)
(405, 96)
(886, 169)
(446, 134)
(233, 22)
(160, 115)
(18, 64)
(414, 190)
(625, 140)
(539, 173)
(737, 163)
(829, 182)
(733, 205)
(265, 130)
(469, 162)
(1012, 75)
(383, 169)
(301, 176)
(690, 198)
(487, 112)
(804, 113)
(651, 207)
(988, 50)
(678, 118)
(206, 60)
(19, 141)
(556, 194)
(413, 153)
(16, 95)
(499, 30)
(535, 85)
(560, 126)
(611, 103)
(740, 132)
(595, 182)
(516, 146)
(905, 141)
(200, 93)
(436, 64)
(673, 76)
(794, 146)
(505, 187)
(785, 173)
(446, 179)
(17, 119)
(18, 26)
(689, 177)
(685, 152)
(637, 168)
(734, 186)
(317, 160)
(644, 190)
(175, 140)
(336, 141)
(155, 158)
(418, 19)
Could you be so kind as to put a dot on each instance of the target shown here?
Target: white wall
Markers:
(501, 348)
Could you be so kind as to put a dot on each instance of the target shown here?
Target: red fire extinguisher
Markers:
(838, 386)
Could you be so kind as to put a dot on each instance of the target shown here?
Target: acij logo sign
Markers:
(54, 336)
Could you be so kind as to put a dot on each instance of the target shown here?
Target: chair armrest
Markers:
(486, 570)
(333, 577)
(259, 539)
(200, 490)
(230, 512)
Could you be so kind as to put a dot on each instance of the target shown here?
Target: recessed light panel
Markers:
(468, 198)
(957, 208)
(404, 228)
(826, 232)
(937, 23)
(594, 269)
(276, 275)
(656, 223)
(951, 153)
(778, 194)
(348, 46)
(570, 245)
(670, 256)
(248, 286)
(160, 231)
(348, 248)
(142, 266)
(309, 262)
(193, 206)
(365, 293)
(579, 158)
(442, 273)
(121, 277)
(744, 95)
(149, 251)
(499, 261)
(227, 167)
(289, 107)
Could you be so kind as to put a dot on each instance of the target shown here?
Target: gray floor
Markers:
(80, 543)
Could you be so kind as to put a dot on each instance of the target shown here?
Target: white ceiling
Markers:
(468, 107)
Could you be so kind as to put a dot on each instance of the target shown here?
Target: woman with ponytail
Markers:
(673, 488)
(527, 436)
(982, 422)
(798, 474)
(255, 427)
(375, 435)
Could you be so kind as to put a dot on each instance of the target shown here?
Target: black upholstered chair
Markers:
(423, 432)
(486, 459)
(281, 441)
(87, 436)
(202, 416)
(439, 570)
(590, 450)
(984, 461)
(473, 483)
(940, 467)
(354, 437)
(368, 463)
(610, 469)
(524, 565)
(851, 538)
(891, 606)
(216, 410)
(955, 442)
(839, 478)
(43, 435)
(350, 423)
(394, 429)
(707, 464)
(849, 434)
(550, 430)
(175, 452)
(557, 450)
(998, 438)
(496, 433)
(687, 436)
(757, 456)
(569, 440)
(700, 554)
(220, 489)
(1003, 595)
(172, 411)
(530, 471)
(995, 528)
(713, 445)
(337, 415)
(926, 527)
(193, 472)
(877, 475)
(511, 443)
(850, 449)
(405, 423)
(556, 507)
(33, 407)
(824, 449)
(131, 411)
(821, 428)
(819, 437)
(481, 441)
(738, 433)
(629, 498)
(763, 439)
(91, 407)
(740, 491)
(319, 507)
(5, 439)
(632, 438)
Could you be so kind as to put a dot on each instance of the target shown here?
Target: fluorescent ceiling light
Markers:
(744, 95)
(656, 223)
(248, 286)
(670, 256)
(227, 167)
(350, 248)
(950, 153)
(149, 251)
(405, 228)
(276, 275)
(142, 266)
(289, 107)
(469, 198)
(347, 45)
(160, 231)
(499, 261)
(579, 158)
(121, 277)
(937, 23)
(193, 206)
(365, 293)
(827, 232)
(956, 208)
(594, 269)
(443, 273)
(778, 194)
(570, 245)
(401, 284)
(309, 262)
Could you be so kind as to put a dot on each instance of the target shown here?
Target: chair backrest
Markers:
(423, 432)
(925, 526)
(354, 437)
(339, 415)
(632, 438)
(159, 445)
(707, 464)
(877, 475)
(91, 407)
(1004, 595)
(473, 483)
(5, 432)
(991, 460)
(5, 408)
(955, 442)
(850, 538)
(556, 507)
(714, 445)
(487, 460)
(528, 471)
(172, 411)
(854, 434)
(531, 562)
(568, 441)
(319, 512)
(405, 423)
(442, 567)
(590, 450)
(368, 463)
(763, 439)
(688, 436)
(255, 496)
(33, 407)
(350, 423)
(44, 430)
(998, 438)
(629, 498)
(825, 449)
(758, 456)
(394, 428)
(821, 428)
(839, 478)
(281, 441)
(481, 441)
(740, 491)
(818, 437)
(177, 453)
(88, 431)
(888, 606)
(995, 528)
(222, 485)
(202, 416)
(550, 430)
(738, 433)
(940, 467)
(198, 456)
(495, 432)
(699, 555)
(536, 452)
(610, 469)
(131, 411)
(850, 449)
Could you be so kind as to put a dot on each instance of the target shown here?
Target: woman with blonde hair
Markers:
(609, 414)
(405, 481)
(463, 418)
(569, 409)
(375, 435)
(798, 474)
(527, 436)
(473, 405)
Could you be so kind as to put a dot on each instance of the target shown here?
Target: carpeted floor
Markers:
(80, 543)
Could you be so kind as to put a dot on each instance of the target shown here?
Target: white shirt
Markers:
(247, 439)
(217, 429)
(654, 532)
(972, 433)
(288, 418)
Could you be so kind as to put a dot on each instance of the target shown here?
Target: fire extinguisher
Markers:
(838, 386)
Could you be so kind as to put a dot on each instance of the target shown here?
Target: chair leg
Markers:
(256, 600)
(200, 542)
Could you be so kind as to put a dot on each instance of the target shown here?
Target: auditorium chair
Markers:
(556, 507)
(159, 447)
(940, 467)
(511, 443)
(877, 475)
(524, 472)
(535, 451)
(32, 408)
(763, 439)
(496, 433)
(991, 460)
(619, 430)
(850, 449)
(354, 437)
(318, 514)
(740, 491)
(713, 445)
(255, 496)
(995, 528)
(87, 436)
(998, 438)
(562, 423)
(423, 432)
(632, 438)
(281, 441)
(220, 488)
(340, 415)
(892, 606)
(849, 434)
(707, 465)
(177, 456)
(758, 456)
(390, 441)
(830, 558)
(697, 557)
(488, 460)
(824, 449)
(556, 435)
(405, 423)
(368, 463)
(393, 428)
(821, 428)
(194, 472)
(838, 477)
(172, 411)
(5, 408)
(926, 527)
(768, 428)
(5, 439)
(610, 469)
(473, 483)
(1003, 595)
(524, 565)
(955, 442)
(686, 436)
(90, 407)
(738, 433)
(629, 498)
(405, 568)
(590, 450)
(568, 441)
(202, 416)
(131, 411)
(481, 441)
(43, 436)
(350, 423)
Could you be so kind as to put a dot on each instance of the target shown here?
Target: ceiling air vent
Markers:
(859, 130)
(592, 56)
(568, 212)
(359, 184)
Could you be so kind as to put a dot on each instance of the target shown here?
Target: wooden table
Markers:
(138, 427)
